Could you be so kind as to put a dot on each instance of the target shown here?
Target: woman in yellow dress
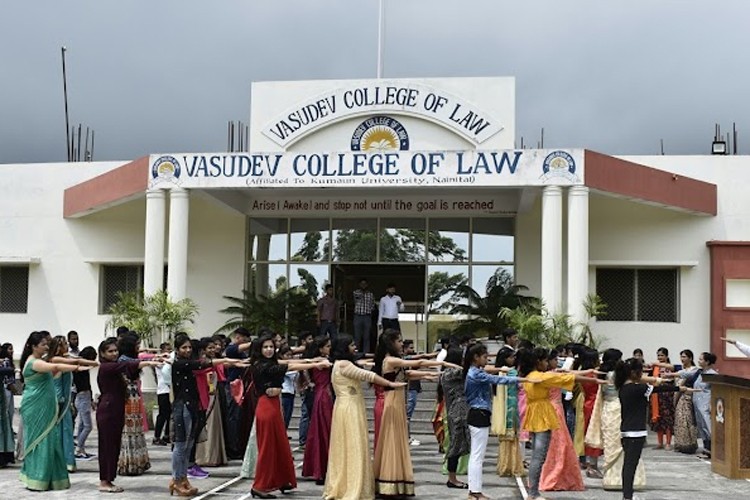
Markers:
(350, 474)
(540, 418)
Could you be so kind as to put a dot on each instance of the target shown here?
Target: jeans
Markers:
(287, 406)
(182, 419)
(411, 403)
(539, 446)
(479, 436)
(165, 415)
(570, 416)
(632, 448)
(328, 328)
(306, 413)
(362, 327)
(83, 409)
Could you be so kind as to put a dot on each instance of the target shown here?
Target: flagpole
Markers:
(381, 36)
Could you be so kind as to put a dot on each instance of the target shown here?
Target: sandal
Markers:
(111, 489)
(594, 474)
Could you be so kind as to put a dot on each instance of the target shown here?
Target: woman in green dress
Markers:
(44, 466)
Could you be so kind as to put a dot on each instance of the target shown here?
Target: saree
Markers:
(63, 386)
(44, 463)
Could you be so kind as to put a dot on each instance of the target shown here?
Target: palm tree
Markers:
(485, 313)
(287, 310)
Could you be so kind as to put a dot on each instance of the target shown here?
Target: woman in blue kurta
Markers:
(44, 465)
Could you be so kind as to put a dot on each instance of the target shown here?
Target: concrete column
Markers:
(578, 251)
(261, 269)
(153, 257)
(179, 207)
(552, 248)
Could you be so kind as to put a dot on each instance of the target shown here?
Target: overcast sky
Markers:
(166, 76)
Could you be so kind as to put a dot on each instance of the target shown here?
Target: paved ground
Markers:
(670, 476)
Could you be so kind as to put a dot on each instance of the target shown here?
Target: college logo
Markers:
(380, 133)
(166, 169)
(559, 164)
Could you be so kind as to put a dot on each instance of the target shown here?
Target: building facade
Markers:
(404, 181)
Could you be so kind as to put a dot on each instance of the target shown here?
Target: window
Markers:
(639, 294)
(115, 279)
(14, 289)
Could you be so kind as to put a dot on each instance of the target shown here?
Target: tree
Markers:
(485, 313)
(440, 284)
(287, 310)
(310, 249)
(151, 314)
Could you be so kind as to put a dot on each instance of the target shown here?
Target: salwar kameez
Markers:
(685, 432)
(44, 465)
(506, 425)
(212, 452)
(110, 413)
(562, 473)
(134, 459)
(7, 441)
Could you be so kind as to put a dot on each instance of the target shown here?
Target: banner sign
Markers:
(490, 168)
(264, 203)
(396, 97)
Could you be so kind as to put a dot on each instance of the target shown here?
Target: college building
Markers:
(394, 180)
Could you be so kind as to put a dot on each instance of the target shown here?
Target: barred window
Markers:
(639, 294)
(14, 289)
(114, 280)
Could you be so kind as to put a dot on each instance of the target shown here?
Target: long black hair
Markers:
(610, 358)
(689, 354)
(104, 345)
(34, 339)
(127, 345)
(474, 352)
(502, 355)
(55, 344)
(313, 348)
(5, 353)
(665, 352)
(528, 359)
(627, 370)
(386, 344)
(256, 350)
(340, 348)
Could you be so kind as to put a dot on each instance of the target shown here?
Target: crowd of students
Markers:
(221, 399)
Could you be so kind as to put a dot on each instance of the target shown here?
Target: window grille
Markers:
(650, 295)
(116, 280)
(14, 289)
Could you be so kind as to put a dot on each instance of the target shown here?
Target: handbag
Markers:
(478, 417)
(16, 387)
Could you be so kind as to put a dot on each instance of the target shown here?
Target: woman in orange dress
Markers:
(561, 474)
(540, 418)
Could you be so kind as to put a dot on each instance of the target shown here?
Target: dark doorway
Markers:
(409, 280)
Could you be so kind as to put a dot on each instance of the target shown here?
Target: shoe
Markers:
(414, 442)
(192, 490)
(460, 486)
(182, 488)
(196, 472)
(288, 487)
(319, 482)
(594, 474)
(260, 494)
(85, 457)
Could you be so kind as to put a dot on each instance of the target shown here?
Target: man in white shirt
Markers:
(743, 348)
(388, 309)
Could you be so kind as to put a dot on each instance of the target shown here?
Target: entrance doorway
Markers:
(410, 284)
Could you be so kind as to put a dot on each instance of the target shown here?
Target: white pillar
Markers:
(153, 257)
(179, 205)
(552, 248)
(261, 269)
(578, 251)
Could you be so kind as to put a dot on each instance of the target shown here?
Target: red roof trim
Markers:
(632, 180)
(107, 189)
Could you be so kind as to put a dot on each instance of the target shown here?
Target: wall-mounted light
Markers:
(718, 148)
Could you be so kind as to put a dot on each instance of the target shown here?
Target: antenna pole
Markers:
(65, 96)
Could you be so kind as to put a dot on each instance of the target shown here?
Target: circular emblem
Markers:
(166, 168)
(380, 133)
(559, 163)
